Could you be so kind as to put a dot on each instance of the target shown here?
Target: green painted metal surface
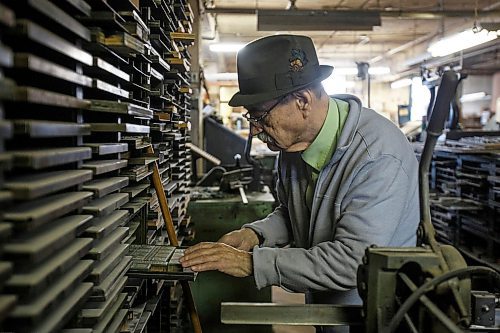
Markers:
(214, 217)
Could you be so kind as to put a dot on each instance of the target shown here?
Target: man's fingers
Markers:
(199, 246)
(208, 266)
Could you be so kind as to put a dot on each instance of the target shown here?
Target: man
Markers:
(347, 179)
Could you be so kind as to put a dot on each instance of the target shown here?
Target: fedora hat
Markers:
(274, 66)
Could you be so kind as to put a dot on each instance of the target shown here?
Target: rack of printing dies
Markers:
(466, 201)
(45, 213)
(56, 62)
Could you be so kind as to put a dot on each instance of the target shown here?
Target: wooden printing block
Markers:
(104, 186)
(103, 226)
(105, 246)
(105, 205)
(34, 311)
(44, 158)
(124, 44)
(104, 267)
(38, 278)
(104, 166)
(34, 186)
(36, 247)
(32, 214)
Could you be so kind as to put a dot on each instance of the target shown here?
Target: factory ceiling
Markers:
(394, 33)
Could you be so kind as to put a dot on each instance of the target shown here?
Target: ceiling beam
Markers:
(400, 14)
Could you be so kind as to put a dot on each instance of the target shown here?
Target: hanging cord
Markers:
(476, 27)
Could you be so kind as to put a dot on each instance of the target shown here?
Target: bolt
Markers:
(485, 308)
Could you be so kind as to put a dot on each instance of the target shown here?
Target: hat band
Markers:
(281, 81)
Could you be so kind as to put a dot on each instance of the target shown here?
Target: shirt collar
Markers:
(321, 149)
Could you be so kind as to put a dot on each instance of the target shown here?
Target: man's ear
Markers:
(303, 100)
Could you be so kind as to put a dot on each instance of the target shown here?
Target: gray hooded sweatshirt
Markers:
(366, 194)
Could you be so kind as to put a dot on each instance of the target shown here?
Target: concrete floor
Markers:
(281, 296)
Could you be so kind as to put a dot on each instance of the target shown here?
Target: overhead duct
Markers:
(316, 20)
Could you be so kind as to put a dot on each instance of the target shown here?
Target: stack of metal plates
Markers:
(42, 147)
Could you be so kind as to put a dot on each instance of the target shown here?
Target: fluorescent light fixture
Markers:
(226, 47)
(354, 71)
(379, 70)
(479, 96)
(401, 83)
(461, 41)
(221, 76)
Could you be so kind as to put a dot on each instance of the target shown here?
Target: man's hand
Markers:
(217, 256)
(244, 239)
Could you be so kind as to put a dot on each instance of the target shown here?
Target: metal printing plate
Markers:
(102, 187)
(40, 277)
(37, 64)
(65, 311)
(33, 312)
(113, 319)
(35, 213)
(104, 68)
(107, 148)
(80, 6)
(100, 167)
(44, 37)
(106, 245)
(117, 323)
(145, 160)
(103, 226)
(57, 15)
(109, 88)
(136, 205)
(7, 304)
(106, 205)
(158, 261)
(113, 127)
(103, 268)
(45, 97)
(44, 158)
(46, 242)
(121, 108)
(134, 190)
(49, 129)
(92, 312)
(102, 291)
(33, 186)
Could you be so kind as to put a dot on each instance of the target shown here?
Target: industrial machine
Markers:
(428, 288)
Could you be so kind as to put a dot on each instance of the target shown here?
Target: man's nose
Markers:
(255, 129)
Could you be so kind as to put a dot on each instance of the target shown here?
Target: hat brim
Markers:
(240, 99)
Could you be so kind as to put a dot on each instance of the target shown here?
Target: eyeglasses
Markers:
(259, 119)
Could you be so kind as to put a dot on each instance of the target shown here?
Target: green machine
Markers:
(215, 213)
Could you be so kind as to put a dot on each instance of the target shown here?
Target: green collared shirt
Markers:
(321, 150)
